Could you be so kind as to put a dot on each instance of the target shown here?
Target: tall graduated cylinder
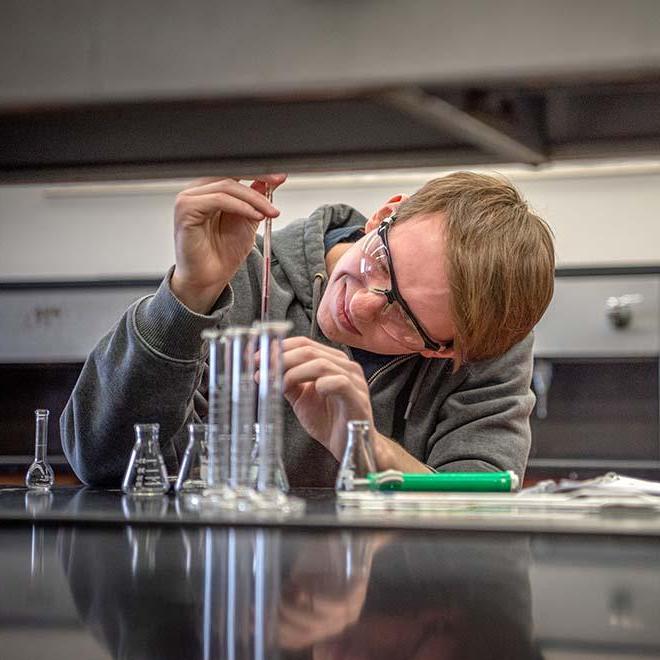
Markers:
(239, 382)
(271, 480)
(219, 419)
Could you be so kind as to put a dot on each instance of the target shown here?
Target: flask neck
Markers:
(146, 436)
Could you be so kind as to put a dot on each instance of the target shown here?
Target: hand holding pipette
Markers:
(215, 225)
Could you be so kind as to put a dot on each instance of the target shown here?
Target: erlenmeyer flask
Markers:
(358, 460)
(40, 474)
(146, 473)
(193, 474)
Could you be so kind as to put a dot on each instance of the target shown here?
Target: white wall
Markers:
(601, 214)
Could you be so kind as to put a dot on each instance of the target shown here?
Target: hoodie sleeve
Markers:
(484, 424)
(146, 369)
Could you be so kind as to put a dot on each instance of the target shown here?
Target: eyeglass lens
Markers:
(376, 277)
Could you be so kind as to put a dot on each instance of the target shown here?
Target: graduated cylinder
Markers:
(271, 479)
(219, 418)
(240, 386)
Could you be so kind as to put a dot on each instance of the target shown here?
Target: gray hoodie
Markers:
(150, 368)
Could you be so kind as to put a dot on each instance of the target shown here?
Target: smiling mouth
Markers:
(344, 315)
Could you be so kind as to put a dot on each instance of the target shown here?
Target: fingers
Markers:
(304, 365)
(200, 186)
(304, 360)
(299, 349)
(332, 372)
(343, 387)
(328, 380)
(310, 371)
(202, 206)
(291, 343)
(229, 188)
(273, 180)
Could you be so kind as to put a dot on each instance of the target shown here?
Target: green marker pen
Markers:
(458, 482)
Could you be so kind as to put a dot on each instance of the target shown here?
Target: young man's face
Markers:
(349, 312)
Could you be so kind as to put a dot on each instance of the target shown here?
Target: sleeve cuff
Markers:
(167, 326)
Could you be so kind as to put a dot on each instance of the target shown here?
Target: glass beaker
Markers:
(219, 493)
(193, 473)
(272, 483)
(239, 378)
(358, 459)
(40, 475)
(146, 473)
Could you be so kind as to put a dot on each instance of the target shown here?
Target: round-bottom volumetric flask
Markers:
(40, 475)
(193, 474)
(146, 473)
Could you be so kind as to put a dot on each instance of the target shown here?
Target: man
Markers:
(417, 319)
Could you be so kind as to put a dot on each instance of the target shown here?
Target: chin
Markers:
(326, 325)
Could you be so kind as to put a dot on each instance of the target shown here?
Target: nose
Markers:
(365, 305)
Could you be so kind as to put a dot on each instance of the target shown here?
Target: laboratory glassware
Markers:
(146, 473)
(40, 475)
(271, 479)
(219, 492)
(193, 473)
(265, 276)
(280, 476)
(240, 380)
(254, 456)
(358, 460)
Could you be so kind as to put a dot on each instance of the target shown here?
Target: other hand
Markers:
(326, 390)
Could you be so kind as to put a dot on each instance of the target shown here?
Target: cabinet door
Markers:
(578, 324)
(59, 325)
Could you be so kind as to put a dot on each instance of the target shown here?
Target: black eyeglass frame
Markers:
(394, 295)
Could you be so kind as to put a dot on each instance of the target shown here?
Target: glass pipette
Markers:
(265, 277)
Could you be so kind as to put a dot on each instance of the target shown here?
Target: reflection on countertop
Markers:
(151, 592)
(140, 589)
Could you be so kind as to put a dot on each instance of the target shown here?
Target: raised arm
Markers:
(149, 367)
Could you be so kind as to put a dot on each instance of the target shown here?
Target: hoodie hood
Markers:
(301, 242)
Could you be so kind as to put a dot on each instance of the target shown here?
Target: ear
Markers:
(385, 211)
(445, 354)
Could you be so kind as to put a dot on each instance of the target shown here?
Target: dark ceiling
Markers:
(396, 127)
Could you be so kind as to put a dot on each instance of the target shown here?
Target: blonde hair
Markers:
(500, 259)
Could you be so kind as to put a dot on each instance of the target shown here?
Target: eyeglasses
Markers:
(396, 317)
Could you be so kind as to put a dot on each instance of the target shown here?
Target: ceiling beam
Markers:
(449, 119)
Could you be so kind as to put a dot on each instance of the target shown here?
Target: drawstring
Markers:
(317, 291)
(416, 387)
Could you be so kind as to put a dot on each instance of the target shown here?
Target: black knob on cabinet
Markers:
(619, 309)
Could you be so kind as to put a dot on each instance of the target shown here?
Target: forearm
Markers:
(392, 456)
(145, 370)
(198, 299)
(96, 426)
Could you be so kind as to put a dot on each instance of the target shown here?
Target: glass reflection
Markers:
(38, 502)
(253, 593)
(164, 587)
